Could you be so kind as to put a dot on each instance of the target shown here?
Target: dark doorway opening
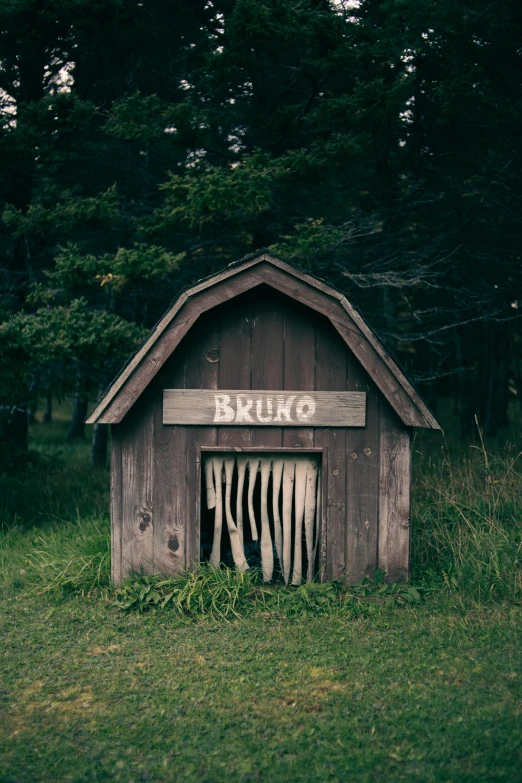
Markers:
(278, 514)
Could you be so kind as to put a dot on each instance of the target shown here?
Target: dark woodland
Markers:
(145, 145)
(278, 599)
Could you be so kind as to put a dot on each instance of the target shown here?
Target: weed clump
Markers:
(71, 559)
(224, 592)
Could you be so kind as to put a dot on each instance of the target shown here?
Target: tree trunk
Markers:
(465, 392)
(33, 398)
(48, 410)
(13, 435)
(100, 435)
(81, 401)
(515, 365)
(495, 385)
(77, 427)
(100, 438)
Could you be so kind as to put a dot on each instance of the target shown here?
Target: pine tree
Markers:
(145, 145)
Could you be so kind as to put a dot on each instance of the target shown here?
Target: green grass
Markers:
(467, 521)
(91, 694)
(57, 484)
(316, 686)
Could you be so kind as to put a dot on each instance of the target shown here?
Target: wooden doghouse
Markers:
(261, 365)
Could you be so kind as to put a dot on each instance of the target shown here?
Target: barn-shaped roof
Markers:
(263, 268)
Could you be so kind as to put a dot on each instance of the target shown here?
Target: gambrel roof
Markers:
(263, 268)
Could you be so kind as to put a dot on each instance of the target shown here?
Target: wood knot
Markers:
(145, 521)
(353, 455)
(367, 451)
(212, 355)
(173, 543)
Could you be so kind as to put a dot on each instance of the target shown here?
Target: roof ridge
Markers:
(411, 409)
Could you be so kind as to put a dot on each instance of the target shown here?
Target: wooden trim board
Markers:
(265, 450)
(251, 408)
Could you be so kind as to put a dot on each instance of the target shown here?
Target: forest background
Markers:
(144, 145)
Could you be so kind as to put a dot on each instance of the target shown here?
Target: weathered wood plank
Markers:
(217, 295)
(358, 322)
(202, 372)
(249, 408)
(267, 357)
(171, 521)
(362, 490)
(138, 357)
(166, 322)
(383, 377)
(144, 371)
(394, 503)
(290, 269)
(331, 358)
(116, 571)
(235, 366)
(256, 261)
(144, 365)
(299, 364)
(137, 453)
(298, 289)
(261, 450)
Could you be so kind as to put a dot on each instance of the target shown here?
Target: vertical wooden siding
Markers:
(203, 346)
(362, 481)
(394, 497)
(137, 455)
(235, 361)
(170, 472)
(116, 499)
(331, 375)
(267, 360)
(260, 340)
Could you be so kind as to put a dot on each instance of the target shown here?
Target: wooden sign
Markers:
(211, 408)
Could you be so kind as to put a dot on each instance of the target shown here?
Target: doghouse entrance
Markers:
(262, 510)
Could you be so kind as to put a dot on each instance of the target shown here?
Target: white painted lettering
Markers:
(259, 410)
(223, 410)
(242, 413)
(283, 408)
(305, 408)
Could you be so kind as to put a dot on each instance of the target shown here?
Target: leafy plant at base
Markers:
(225, 592)
(205, 590)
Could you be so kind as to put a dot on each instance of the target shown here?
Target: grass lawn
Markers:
(90, 694)
(426, 693)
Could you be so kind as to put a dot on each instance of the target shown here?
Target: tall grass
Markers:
(57, 483)
(467, 521)
(466, 533)
(70, 558)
